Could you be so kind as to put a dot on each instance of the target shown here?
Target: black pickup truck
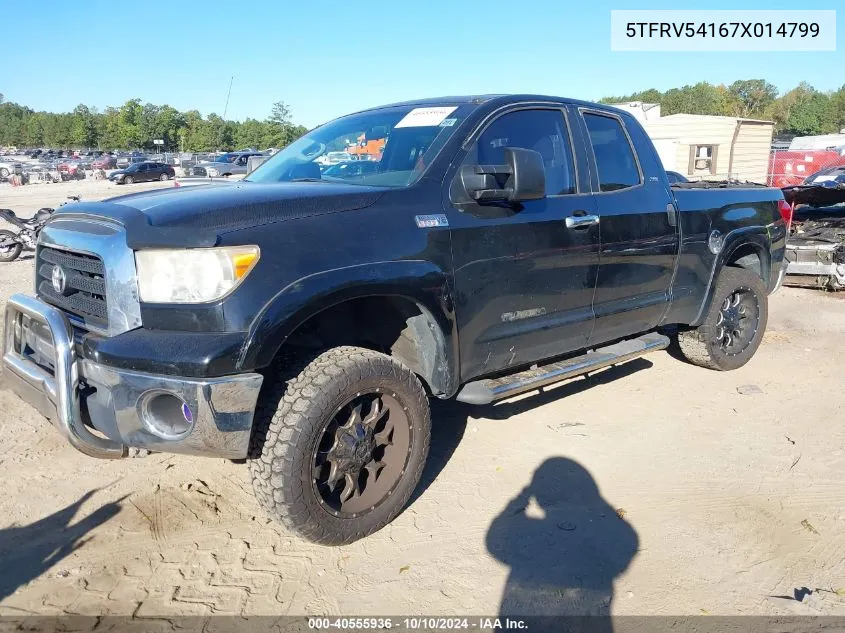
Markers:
(302, 321)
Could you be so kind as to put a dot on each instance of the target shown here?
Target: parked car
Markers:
(835, 173)
(71, 169)
(104, 162)
(142, 172)
(303, 323)
(225, 165)
(352, 169)
(333, 158)
(132, 159)
(675, 177)
(9, 167)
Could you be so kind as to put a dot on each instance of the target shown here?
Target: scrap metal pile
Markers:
(815, 249)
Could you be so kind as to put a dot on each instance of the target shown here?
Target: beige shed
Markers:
(713, 147)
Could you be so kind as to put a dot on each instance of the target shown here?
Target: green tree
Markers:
(281, 131)
(83, 127)
(752, 96)
(811, 115)
(837, 109)
(700, 98)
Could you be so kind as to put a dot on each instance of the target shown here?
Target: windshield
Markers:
(133, 167)
(225, 158)
(400, 142)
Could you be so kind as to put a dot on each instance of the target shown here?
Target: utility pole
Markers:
(225, 109)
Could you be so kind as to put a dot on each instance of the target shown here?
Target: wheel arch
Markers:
(403, 309)
(747, 247)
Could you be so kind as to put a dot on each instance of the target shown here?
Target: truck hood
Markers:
(197, 216)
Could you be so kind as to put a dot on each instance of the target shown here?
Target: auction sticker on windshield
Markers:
(426, 117)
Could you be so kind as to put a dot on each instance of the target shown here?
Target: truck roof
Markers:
(479, 99)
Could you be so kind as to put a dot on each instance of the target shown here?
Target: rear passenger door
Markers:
(524, 277)
(639, 239)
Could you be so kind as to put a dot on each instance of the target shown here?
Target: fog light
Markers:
(166, 415)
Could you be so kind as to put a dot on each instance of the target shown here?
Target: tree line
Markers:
(801, 111)
(135, 126)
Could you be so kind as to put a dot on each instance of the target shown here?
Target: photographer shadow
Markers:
(565, 546)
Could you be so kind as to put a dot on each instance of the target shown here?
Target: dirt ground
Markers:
(679, 490)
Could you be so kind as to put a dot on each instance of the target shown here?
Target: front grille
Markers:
(85, 285)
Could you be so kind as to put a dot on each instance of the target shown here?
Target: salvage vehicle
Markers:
(302, 322)
(11, 243)
(815, 247)
(225, 165)
(8, 167)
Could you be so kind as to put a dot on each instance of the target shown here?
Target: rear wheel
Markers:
(733, 326)
(163, 177)
(10, 248)
(338, 449)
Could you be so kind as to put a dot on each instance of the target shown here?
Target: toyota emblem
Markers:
(59, 279)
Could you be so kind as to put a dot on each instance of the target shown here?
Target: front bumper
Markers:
(821, 260)
(102, 410)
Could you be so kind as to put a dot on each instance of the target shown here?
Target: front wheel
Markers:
(734, 324)
(4, 173)
(128, 180)
(10, 247)
(338, 449)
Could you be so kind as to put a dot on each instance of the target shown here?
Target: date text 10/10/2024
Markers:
(416, 623)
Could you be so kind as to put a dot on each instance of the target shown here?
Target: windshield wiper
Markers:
(307, 180)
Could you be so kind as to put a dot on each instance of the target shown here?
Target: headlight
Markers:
(210, 171)
(194, 275)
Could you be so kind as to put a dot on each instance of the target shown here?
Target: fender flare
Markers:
(419, 281)
(755, 236)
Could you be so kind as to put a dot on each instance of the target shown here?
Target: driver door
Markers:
(524, 280)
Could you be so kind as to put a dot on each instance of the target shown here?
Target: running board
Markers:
(490, 389)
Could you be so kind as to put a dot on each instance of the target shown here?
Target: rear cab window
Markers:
(616, 161)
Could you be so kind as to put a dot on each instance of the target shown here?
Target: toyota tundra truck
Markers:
(302, 322)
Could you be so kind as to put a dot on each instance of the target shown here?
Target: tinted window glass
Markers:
(615, 159)
(543, 131)
(402, 141)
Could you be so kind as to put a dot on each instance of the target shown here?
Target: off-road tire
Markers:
(699, 345)
(13, 252)
(290, 419)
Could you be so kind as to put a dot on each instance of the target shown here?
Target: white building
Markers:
(713, 147)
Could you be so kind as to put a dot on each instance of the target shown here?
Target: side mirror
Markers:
(528, 174)
(522, 178)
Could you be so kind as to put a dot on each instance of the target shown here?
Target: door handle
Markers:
(581, 221)
(671, 215)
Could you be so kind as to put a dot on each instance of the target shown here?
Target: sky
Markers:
(327, 58)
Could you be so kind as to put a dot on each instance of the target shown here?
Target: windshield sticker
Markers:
(448, 122)
(425, 117)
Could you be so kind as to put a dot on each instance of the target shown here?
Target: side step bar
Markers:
(490, 389)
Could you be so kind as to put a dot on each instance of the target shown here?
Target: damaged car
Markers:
(815, 249)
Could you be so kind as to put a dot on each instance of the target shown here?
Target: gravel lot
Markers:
(667, 488)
